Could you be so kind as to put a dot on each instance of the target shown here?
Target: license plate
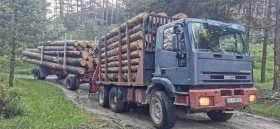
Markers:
(234, 100)
(229, 77)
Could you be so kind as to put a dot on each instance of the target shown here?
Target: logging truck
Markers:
(174, 63)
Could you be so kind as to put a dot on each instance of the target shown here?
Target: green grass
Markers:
(45, 107)
(266, 110)
(256, 53)
(24, 68)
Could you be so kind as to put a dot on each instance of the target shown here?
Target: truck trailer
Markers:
(194, 65)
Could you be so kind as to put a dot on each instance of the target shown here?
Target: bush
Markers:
(10, 99)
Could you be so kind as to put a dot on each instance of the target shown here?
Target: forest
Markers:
(27, 23)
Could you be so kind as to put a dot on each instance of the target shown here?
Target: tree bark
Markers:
(13, 51)
(133, 55)
(265, 41)
(248, 20)
(56, 48)
(133, 46)
(132, 22)
(75, 54)
(59, 60)
(61, 43)
(276, 84)
(69, 69)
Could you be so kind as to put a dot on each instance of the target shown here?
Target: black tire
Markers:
(103, 96)
(71, 83)
(61, 76)
(162, 111)
(37, 74)
(77, 80)
(219, 116)
(116, 103)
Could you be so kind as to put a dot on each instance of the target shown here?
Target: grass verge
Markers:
(266, 110)
(46, 107)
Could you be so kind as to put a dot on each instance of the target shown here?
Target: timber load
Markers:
(122, 50)
(79, 58)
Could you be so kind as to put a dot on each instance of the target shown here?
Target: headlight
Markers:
(252, 98)
(204, 101)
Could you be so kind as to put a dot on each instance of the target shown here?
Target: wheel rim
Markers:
(113, 99)
(156, 110)
(101, 96)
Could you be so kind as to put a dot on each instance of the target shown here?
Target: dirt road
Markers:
(139, 117)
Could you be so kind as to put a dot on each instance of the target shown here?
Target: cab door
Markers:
(171, 55)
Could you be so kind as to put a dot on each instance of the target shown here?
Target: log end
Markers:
(83, 62)
(85, 54)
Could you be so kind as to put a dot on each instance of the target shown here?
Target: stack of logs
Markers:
(123, 44)
(110, 54)
(79, 57)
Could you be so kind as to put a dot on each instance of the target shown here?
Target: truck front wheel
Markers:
(219, 116)
(162, 110)
(103, 96)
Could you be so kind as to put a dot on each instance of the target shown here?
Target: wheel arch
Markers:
(160, 84)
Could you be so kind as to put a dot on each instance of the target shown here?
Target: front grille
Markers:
(225, 77)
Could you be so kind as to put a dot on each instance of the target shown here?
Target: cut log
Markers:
(124, 63)
(82, 54)
(133, 55)
(133, 46)
(89, 64)
(132, 22)
(59, 60)
(134, 68)
(134, 30)
(180, 16)
(69, 69)
(56, 48)
(133, 76)
(60, 43)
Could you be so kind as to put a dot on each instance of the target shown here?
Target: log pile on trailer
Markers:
(78, 58)
(122, 50)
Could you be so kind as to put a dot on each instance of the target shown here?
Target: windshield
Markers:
(217, 39)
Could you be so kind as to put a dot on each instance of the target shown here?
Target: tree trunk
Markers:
(69, 69)
(13, 51)
(265, 41)
(276, 84)
(248, 20)
(59, 60)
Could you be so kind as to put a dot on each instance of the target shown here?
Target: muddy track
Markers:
(139, 117)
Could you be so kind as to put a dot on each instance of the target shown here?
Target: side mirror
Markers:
(178, 28)
(174, 42)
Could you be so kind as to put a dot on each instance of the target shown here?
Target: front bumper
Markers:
(218, 99)
(219, 96)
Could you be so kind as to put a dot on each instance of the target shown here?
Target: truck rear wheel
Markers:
(103, 96)
(71, 83)
(116, 103)
(162, 110)
(219, 116)
(61, 76)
